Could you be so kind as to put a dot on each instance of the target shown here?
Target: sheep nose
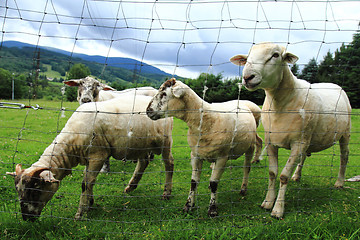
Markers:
(86, 100)
(248, 78)
(149, 111)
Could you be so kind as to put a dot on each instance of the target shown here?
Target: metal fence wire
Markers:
(165, 178)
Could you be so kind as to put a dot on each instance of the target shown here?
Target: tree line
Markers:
(341, 67)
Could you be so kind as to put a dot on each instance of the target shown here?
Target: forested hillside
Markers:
(24, 60)
(341, 67)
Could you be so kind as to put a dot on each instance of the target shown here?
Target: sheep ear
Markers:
(72, 82)
(178, 91)
(11, 174)
(106, 87)
(48, 177)
(290, 58)
(18, 171)
(36, 172)
(239, 60)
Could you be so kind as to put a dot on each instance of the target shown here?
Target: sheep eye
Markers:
(275, 55)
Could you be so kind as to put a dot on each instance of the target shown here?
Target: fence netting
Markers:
(155, 41)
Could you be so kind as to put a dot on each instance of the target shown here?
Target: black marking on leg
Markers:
(213, 186)
(193, 185)
(284, 179)
(83, 187)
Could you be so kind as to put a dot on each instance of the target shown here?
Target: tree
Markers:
(221, 90)
(5, 84)
(347, 61)
(77, 71)
(310, 70)
(20, 87)
(326, 69)
(295, 69)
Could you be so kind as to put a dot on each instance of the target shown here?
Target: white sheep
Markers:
(91, 90)
(296, 115)
(217, 133)
(96, 131)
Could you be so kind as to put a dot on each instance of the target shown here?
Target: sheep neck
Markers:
(196, 111)
(283, 94)
(60, 158)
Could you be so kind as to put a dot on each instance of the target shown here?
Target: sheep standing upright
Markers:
(217, 133)
(96, 131)
(296, 115)
(91, 90)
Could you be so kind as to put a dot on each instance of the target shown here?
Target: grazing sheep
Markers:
(297, 115)
(96, 131)
(91, 90)
(217, 133)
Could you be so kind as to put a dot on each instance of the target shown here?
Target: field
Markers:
(314, 209)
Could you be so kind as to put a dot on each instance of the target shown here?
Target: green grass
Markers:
(314, 209)
(51, 73)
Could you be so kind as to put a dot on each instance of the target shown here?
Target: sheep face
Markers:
(264, 65)
(34, 189)
(166, 101)
(88, 89)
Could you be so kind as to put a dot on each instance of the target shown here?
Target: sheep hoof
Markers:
(187, 207)
(339, 185)
(105, 169)
(256, 161)
(130, 188)
(243, 192)
(166, 196)
(295, 179)
(277, 215)
(212, 212)
(78, 216)
(267, 205)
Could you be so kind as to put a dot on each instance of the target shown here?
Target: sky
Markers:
(183, 38)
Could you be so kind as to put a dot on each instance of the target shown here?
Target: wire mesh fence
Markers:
(63, 146)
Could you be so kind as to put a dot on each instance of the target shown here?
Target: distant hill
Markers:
(122, 69)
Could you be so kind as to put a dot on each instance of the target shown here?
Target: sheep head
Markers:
(167, 100)
(88, 89)
(264, 65)
(35, 187)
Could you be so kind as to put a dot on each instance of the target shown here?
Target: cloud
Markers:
(182, 38)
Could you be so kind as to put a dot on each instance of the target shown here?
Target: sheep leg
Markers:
(87, 197)
(268, 203)
(344, 156)
(258, 148)
(195, 179)
(297, 174)
(216, 174)
(247, 167)
(106, 167)
(296, 154)
(141, 165)
(169, 170)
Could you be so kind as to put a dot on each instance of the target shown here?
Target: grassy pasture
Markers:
(314, 209)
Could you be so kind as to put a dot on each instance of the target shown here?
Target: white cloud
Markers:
(154, 31)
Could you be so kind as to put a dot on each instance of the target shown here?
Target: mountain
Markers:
(131, 65)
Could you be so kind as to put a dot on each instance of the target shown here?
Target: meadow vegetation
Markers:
(314, 208)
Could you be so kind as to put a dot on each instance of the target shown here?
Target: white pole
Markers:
(12, 92)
